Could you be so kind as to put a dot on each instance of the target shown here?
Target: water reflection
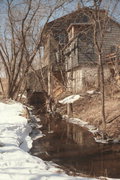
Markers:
(77, 151)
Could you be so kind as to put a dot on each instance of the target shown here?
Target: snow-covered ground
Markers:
(15, 161)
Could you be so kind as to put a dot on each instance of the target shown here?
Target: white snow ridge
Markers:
(15, 161)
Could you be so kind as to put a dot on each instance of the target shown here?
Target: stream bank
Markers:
(71, 145)
(74, 148)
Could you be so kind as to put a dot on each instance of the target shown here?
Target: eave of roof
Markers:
(75, 12)
(78, 25)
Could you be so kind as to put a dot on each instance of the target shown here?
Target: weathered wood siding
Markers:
(71, 55)
(80, 72)
(83, 78)
(111, 38)
(74, 81)
(78, 51)
(50, 48)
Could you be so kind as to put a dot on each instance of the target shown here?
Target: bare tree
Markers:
(100, 19)
(22, 38)
(1, 75)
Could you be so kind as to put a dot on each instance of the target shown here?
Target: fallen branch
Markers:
(113, 119)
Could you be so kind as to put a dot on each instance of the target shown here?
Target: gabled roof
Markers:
(85, 11)
(60, 25)
(71, 16)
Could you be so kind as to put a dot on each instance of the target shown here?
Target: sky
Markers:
(113, 6)
(108, 4)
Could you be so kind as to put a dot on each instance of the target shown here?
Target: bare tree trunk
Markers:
(102, 86)
(2, 86)
(98, 77)
(50, 90)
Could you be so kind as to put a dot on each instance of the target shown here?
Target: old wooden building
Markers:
(70, 54)
(81, 56)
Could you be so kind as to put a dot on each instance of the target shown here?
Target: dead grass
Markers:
(89, 109)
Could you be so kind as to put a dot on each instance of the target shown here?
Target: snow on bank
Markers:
(90, 128)
(70, 99)
(15, 162)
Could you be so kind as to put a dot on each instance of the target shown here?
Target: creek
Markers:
(76, 151)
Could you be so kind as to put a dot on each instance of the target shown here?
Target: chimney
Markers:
(78, 6)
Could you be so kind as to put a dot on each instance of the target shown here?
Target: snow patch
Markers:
(70, 99)
(90, 91)
(22, 96)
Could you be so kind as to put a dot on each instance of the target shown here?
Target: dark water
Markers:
(87, 157)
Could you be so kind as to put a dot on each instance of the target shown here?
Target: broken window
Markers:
(113, 49)
(85, 19)
(62, 38)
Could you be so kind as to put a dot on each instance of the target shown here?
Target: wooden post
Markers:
(70, 109)
(49, 65)
(102, 93)
(49, 81)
